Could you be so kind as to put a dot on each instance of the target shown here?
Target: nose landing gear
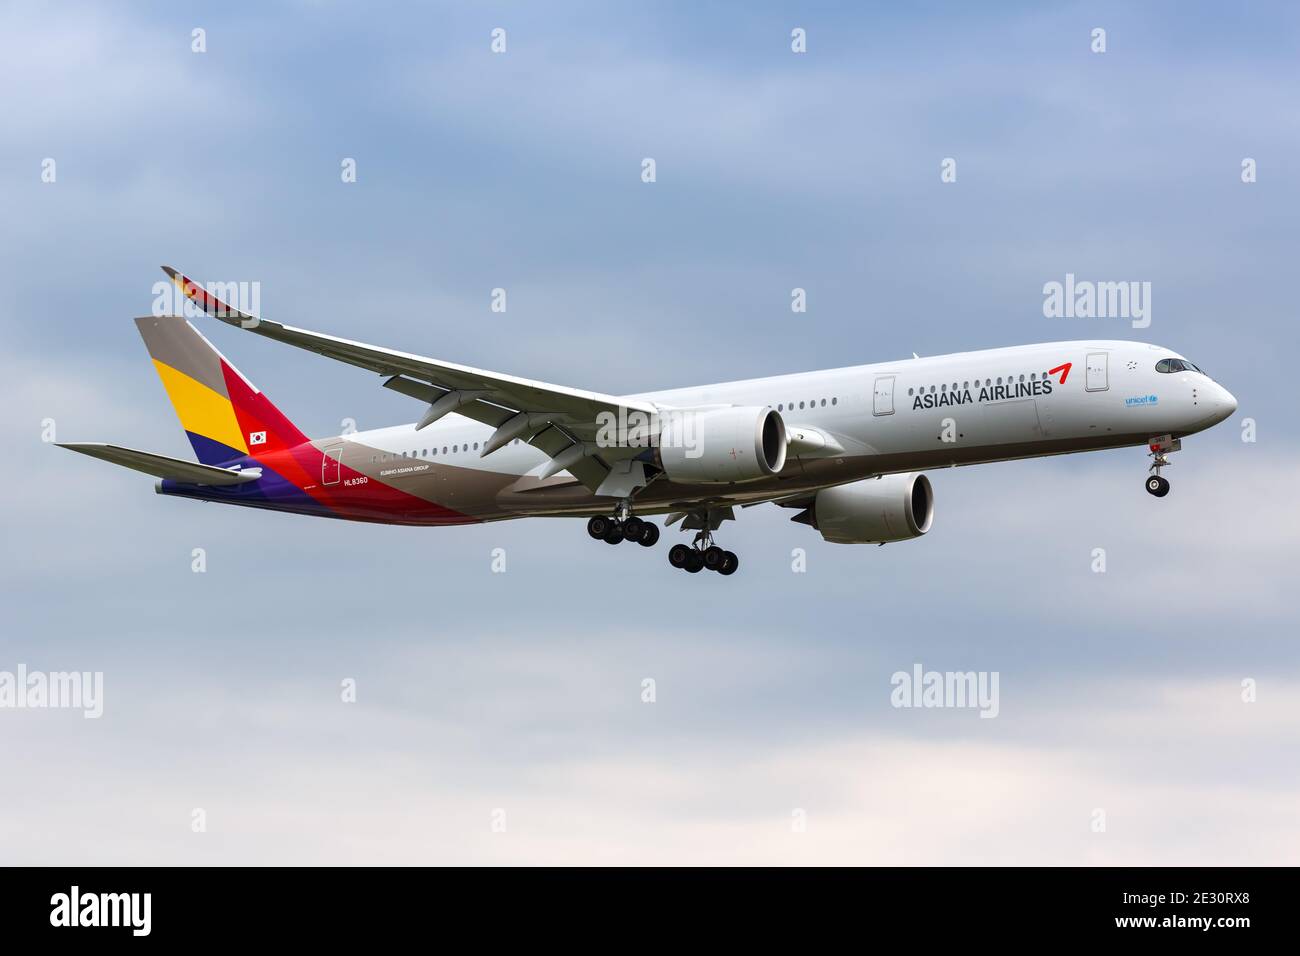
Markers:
(1160, 448)
(1158, 486)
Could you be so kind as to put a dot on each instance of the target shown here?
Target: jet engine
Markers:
(721, 445)
(874, 510)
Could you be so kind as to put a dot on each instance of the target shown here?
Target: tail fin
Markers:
(223, 413)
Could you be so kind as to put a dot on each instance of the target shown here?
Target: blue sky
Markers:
(521, 690)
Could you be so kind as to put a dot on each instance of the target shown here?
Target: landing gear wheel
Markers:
(1158, 486)
(649, 535)
(614, 535)
(694, 561)
(713, 556)
(598, 527)
(632, 528)
(679, 555)
(729, 563)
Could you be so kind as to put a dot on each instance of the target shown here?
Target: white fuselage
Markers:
(906, 415)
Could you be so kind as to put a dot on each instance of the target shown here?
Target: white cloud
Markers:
(1185, 774)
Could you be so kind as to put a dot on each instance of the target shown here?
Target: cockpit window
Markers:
(1176, 365)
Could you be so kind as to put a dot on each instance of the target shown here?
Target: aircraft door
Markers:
(1097, 378)
(883, 400)
(330, 465)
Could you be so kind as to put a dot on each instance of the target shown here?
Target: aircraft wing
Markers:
(558, 420)
(161, 466)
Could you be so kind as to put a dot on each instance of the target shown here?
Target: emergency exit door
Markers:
(330, 465)
(883, 403)
(1096, 380)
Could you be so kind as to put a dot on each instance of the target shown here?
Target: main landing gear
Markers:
(613, 530)
(703, 554)
(1160, 448)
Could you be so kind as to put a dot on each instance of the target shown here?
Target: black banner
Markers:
(95, 905)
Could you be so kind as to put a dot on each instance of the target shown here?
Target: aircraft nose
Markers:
(1224, 403)
(1229, 400)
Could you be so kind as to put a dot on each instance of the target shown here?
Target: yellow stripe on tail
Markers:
(202, 411)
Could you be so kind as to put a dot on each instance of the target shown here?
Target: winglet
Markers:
(208, 302)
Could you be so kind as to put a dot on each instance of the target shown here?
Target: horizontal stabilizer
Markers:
(160, 466)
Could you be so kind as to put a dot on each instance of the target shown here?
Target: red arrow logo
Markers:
(1063, 369)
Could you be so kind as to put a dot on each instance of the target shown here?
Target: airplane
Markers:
(844, 447)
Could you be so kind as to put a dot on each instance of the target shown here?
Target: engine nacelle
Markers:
(721, 445)
(875, 510)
